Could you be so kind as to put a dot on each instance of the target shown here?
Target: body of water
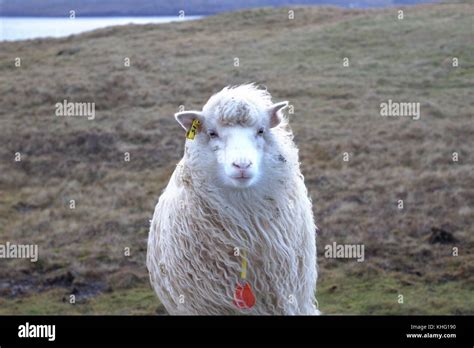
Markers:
(22, 28)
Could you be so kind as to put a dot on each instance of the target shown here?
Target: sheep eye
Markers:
(213, 134)
(261, 131)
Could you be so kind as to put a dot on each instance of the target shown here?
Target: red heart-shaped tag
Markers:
(243, 296)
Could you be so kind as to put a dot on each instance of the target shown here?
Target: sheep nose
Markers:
(242, 164)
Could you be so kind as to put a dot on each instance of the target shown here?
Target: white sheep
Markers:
(233, 232)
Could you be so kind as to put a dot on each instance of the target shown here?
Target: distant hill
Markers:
(165, 8)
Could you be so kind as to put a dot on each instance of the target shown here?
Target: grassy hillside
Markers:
(336, 110)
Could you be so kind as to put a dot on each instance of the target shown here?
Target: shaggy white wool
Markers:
(197, 225)
(238, 105)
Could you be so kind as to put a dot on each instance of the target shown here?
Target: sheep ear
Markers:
(186, 118)
(275, 114)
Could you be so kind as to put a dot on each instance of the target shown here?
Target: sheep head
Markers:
(234, 135)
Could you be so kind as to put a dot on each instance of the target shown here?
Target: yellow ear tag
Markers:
(192, 131)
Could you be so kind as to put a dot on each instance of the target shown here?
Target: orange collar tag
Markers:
(243, 295)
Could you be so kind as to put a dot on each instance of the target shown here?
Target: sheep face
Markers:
(234, 135)
(238, 153)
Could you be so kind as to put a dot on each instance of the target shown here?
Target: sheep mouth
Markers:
(242, 181)
(242, 177)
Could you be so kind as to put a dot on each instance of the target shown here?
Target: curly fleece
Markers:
(198, 231)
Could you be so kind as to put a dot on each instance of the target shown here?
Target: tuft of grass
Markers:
(386, 295)
(137, 301)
